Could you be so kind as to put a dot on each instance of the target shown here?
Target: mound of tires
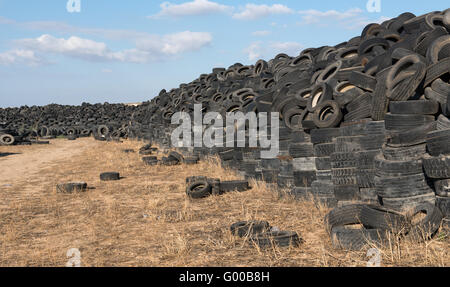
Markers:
(366, 120)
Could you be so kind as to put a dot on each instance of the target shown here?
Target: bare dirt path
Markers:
(25, 162)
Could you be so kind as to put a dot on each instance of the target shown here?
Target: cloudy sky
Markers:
(127, 51)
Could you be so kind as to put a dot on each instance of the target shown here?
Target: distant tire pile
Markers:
(103, 121)
(366, 120)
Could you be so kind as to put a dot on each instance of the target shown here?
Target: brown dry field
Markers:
(145, 219)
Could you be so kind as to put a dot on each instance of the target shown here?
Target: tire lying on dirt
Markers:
(150, 160)
(198, 189)
(109, 176)
(6, 139)
(424, 227)
(71, 187)
(247, 228)
(234, 185)
(381, 218)
(190, 160)
(343, 237)
(276, 238)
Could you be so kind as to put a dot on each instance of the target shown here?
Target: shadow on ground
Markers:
(4, 154)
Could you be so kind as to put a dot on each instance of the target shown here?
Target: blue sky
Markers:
(127, 51)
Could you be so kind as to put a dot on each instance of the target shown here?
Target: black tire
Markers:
(345, 215)
(404, 204)
(443, 203)
(71, 137)
(322, 188)
(359, 143)
(441, 87)
(365, 178)
(198, 189)
(442, 123)
(71, 187)
(405, 122)
(427, 226)
(320, 93)
(381, 218)
(103, 130)
(234, 185)
(150, 160)
(344, 176)
(344, 93)
(327, 114)
(293, 119)
(346, 192)
(427, 38)
(380, 101)
(344, 159)
(412, 137)
(442, 187)
(192, 179)
(402, 90)
(301, 150)
(386, 167)
(402, 186)
(436, 52)
(329, 72)
(108, 176)
(190, 160)
(438, 142)
(304, 163)
(363, 81)
(322, 136)
(432, 95)
(277, 238)
(437, 167)
(6, 139)
(245, 229)
(363, 109)
(323, 163)
(175, 156)
(437, 70)
(324, 175)
(422, 107)
(324, 149)
(304, 178)
(359, 103)
(356, 239)
(404, 153)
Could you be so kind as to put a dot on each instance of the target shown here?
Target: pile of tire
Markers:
(359, 121)
(104, 121)
(357, 226)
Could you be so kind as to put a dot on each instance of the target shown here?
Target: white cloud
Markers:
(316, 16)
(257, 50)
(290, 48)
(27, 57)
(152, 47)
(174, 44)
(261, 33)
(350, 19)
(196, 7)
(254, 51)
(107, 71)
(254, 11)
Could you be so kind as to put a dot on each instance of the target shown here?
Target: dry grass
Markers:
(145, 219)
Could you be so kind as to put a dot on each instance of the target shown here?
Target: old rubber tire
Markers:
(109, 176)
(198, 189)
(245, 229)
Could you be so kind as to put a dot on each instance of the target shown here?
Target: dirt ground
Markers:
(145, 219)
